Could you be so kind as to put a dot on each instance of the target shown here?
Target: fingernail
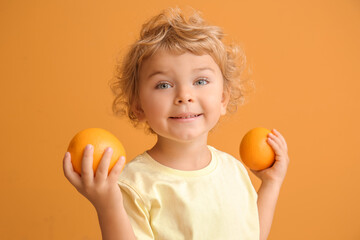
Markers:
(67, 154)
(109, 149)
(122, 159)
(88, 147)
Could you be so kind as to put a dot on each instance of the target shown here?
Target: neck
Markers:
(187, 156)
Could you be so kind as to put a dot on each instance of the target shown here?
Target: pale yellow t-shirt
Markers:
(216, 202)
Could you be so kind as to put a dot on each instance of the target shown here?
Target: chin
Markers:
(190, 137)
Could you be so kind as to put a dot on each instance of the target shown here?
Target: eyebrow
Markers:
(194, 70)
(203, 69)
(155, 73)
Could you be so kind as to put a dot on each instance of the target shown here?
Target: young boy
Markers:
(178, 79)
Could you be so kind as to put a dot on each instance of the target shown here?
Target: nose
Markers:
(184, 96)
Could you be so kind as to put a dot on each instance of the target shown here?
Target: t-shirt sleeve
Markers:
(248, 180)
(137, 212)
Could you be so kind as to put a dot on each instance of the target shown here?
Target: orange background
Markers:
(56, 58)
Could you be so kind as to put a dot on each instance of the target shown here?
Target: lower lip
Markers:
(186, 119)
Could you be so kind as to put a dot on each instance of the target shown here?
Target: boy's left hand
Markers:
(276, 173)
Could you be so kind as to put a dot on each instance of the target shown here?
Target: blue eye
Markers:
(202, 81)
(163, 86)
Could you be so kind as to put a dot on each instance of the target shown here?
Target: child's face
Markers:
(181, 96)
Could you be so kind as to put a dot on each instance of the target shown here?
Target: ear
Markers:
(139, 113)
(225, 101)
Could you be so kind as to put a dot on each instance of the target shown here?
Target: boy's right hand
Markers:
(100, 188)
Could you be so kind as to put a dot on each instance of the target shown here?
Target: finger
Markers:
(103, 168)
(277, 133)
(276, 139)
(275, 146)
(87, 172)
(69, 172)
(117, 169)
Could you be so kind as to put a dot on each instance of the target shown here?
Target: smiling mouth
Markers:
(187, 117)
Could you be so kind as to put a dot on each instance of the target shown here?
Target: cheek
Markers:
(217, 105)
(216, 96)
(153, 106)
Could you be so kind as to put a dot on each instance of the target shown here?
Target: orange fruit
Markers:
(100, 139)
(255, 152)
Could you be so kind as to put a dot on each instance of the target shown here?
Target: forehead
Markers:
(166, 61)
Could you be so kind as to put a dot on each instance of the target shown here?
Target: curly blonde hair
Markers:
(177, 33)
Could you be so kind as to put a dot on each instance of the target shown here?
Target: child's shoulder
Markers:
(140, 164)
(227, 159)
(221, 154)
(136, 177)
